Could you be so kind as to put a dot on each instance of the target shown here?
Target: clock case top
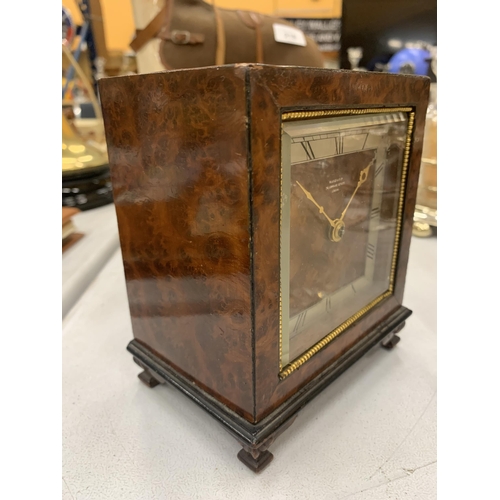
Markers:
(195, 159)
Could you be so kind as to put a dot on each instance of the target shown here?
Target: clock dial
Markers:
(341, 186)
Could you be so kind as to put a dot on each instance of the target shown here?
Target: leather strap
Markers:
(181, 37)
(220, 50)
(254, 21)
(259, 49)
(250, 19)
(143, 36)
(160, 24)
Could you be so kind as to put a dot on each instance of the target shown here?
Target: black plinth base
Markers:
(256, 438)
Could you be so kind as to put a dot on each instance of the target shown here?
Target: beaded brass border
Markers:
(300, 115)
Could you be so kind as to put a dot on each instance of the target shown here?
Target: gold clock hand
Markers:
(320, 208)
(362, 178)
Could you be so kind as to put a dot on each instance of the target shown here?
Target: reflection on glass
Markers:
(341, 185)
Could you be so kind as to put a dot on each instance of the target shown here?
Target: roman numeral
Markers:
(300, 322)
(339, 144)
(308, 149)
(379, 169)
(370, 251)
(375, 212)
(364, 143)
(353, 289)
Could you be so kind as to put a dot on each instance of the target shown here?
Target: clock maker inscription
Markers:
(333, 182)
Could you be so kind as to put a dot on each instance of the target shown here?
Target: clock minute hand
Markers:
(320, 208)
(363, 175)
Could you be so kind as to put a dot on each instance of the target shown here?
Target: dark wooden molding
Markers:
(256, 436)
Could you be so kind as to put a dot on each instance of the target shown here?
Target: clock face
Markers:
(342, 186)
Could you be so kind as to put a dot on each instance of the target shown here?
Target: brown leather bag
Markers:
(194, 33)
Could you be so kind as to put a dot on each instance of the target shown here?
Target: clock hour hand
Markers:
(320, 208)
(363, 175)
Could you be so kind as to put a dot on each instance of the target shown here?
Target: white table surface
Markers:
(83, 261)
(370, 435)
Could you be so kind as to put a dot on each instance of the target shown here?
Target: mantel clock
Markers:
(265, 216)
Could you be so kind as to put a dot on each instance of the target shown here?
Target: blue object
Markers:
(70, 73)
(87, 37)
(414, 61)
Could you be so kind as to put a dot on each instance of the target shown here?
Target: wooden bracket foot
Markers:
(147, 376)
(148, 379)
(256, 456)
(255, 460)
(392, 339)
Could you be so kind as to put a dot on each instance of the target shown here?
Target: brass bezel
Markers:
(300, 115)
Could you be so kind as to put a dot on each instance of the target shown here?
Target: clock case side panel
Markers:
(273, 91)
(178, 153)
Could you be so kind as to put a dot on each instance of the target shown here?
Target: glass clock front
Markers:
(341, 187)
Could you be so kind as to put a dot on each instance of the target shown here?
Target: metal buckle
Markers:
(185, 37)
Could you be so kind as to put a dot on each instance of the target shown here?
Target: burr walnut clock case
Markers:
(265, 216)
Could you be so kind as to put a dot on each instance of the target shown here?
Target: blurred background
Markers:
(103, 38)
